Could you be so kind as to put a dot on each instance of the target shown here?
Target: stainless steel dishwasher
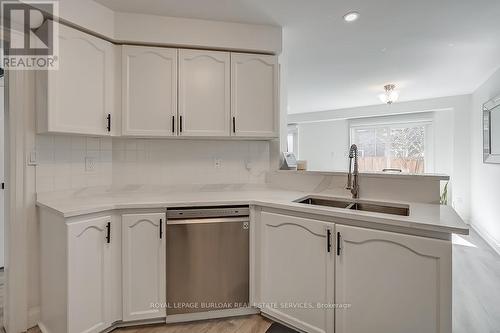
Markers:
(207, 259)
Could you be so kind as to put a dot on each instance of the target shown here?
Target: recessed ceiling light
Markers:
(351, 16)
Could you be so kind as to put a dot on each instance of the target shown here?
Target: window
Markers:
(398, 146)
(293, 140)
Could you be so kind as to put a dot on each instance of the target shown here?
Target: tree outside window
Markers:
(400, 147)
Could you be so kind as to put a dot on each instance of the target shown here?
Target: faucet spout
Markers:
(353, 175)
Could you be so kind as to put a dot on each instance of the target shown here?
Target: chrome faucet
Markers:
(352, 176)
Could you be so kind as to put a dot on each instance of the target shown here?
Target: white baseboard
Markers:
(170, 319)
(179, 318)
(42, 328)
(493, 243)
(288, 321)
(33, 316)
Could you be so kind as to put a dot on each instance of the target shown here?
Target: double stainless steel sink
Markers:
(367, 206)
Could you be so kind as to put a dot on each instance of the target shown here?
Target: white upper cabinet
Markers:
(394, 282)
(149, 91)
(254, 95)
(144, 269)
(296, 269)
(104, 89)
(80, 96)
(204, 93)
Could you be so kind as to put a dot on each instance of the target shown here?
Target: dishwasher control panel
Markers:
(207, 212)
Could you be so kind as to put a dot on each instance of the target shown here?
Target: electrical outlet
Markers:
(90, 164)
(217, 163)
(248, 165)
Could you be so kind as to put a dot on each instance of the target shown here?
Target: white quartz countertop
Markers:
(424, 217)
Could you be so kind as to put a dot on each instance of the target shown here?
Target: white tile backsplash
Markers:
(147, 161)
(168, 162)
(61, 162)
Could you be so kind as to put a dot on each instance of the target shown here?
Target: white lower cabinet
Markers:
(394, 283)
(144, 270)
(89, 275)
(378, 281)
(80, 273)
(296, 272)
(97, 270)
(317, 276)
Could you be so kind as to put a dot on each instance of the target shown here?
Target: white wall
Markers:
(2, 179)
(324, 144)
(485, 178)
(322, 138)
(177, 31)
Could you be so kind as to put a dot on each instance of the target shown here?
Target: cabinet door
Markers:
(394, 282)
(143, 266)
(149, 91)
(254, 95)
(204, 93)
(89, 275)
(79, 96)
(297, 271)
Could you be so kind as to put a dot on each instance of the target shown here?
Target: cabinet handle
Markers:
(180, 124)
(234, 124)
(328, 240)
(161, 228)
(109, 122)
(173, 124)
(108, 233)
(339, 239)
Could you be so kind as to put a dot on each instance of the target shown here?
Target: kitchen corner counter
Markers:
(423, 217)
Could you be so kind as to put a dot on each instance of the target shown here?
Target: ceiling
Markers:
(428, 48)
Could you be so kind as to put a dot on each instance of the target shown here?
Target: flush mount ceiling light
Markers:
(351, 16)
(391, 95)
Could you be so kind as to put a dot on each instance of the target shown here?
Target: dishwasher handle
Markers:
(208, 220)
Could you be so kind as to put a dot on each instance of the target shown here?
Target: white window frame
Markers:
(401, 121)
(293, 129)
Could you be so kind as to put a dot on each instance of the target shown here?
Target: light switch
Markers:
(32, 158)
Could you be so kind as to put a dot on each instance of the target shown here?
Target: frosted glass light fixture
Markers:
(351, 16)
(391, 95)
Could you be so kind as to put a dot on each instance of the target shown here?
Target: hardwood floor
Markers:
(476, 286)
(476, 297)
(248, 324)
